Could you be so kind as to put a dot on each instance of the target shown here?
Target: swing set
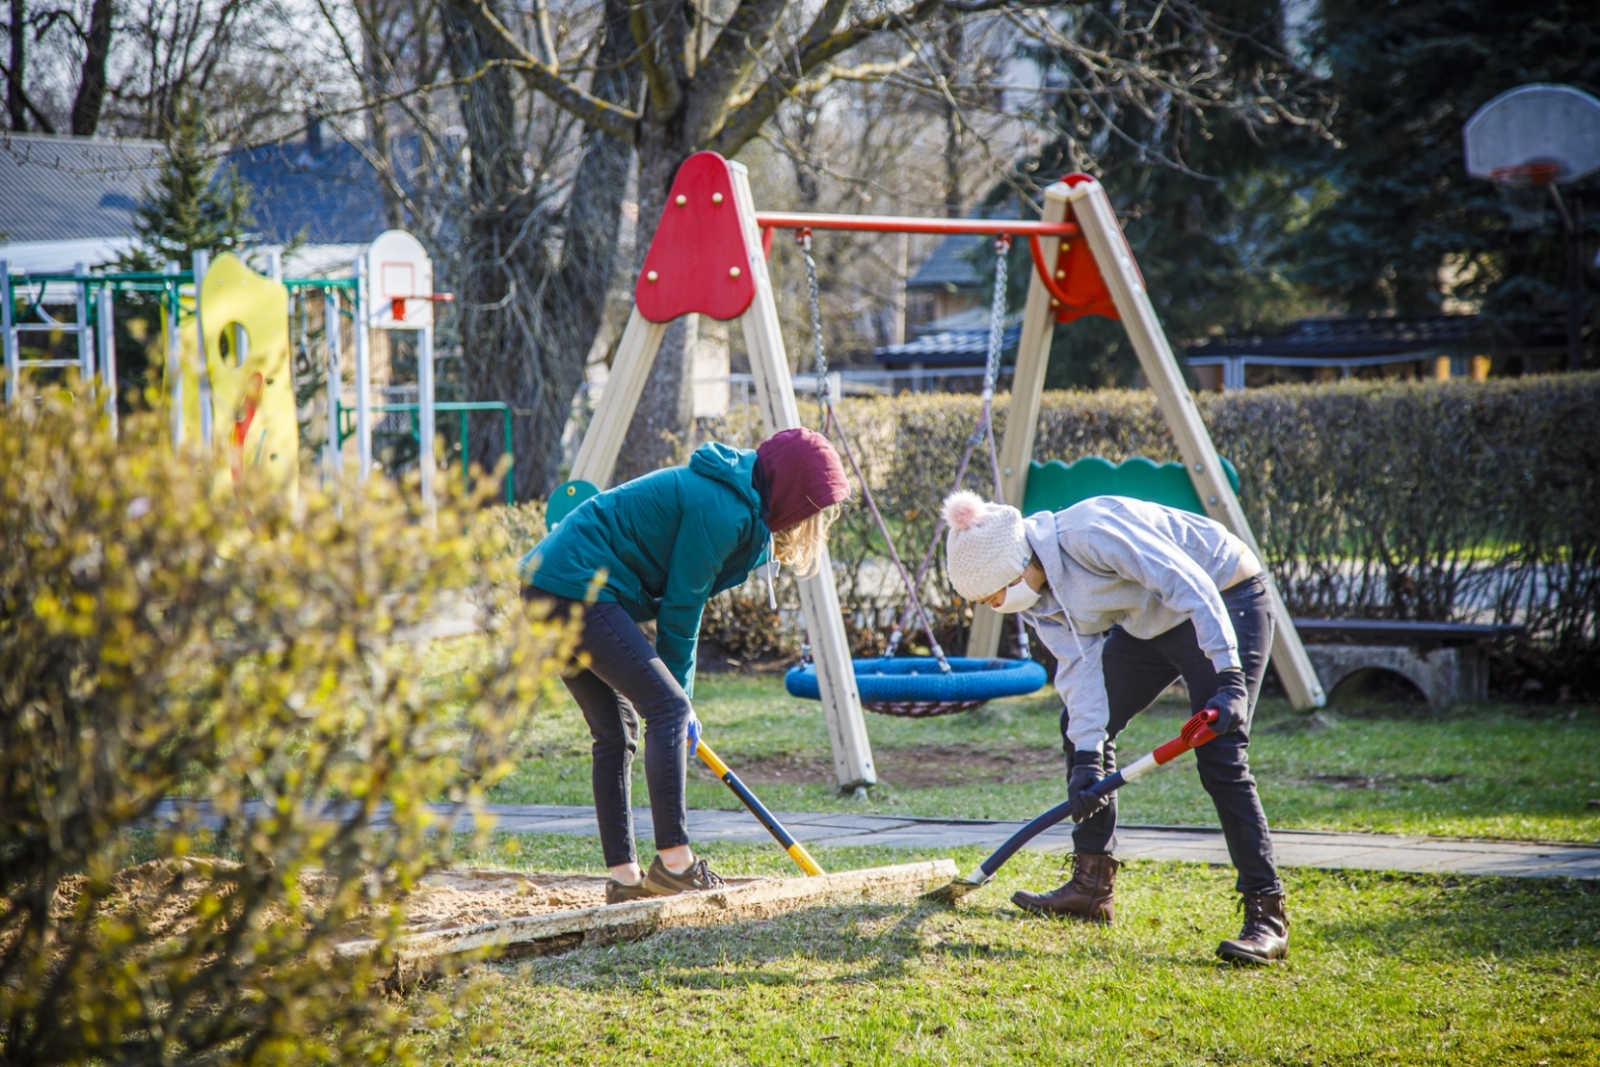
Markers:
(709, 256)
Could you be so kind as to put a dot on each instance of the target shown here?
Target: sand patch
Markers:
(449, 899)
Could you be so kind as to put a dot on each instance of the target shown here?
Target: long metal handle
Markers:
(795, 849)
(1195, 733)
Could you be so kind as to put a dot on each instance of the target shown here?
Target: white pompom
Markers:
(964, 509)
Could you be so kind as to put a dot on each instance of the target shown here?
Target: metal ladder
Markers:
(38, 319)
(46, 324)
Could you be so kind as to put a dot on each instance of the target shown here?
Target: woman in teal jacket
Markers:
(659, 547)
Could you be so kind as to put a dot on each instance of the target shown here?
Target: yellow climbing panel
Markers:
(254, 425)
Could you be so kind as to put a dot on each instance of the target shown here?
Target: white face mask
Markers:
(1019, 597)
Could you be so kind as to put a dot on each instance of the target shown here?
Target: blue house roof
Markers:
(949, 266)
(960, 340)
(317, 186)
(56, 188)
(323, 189)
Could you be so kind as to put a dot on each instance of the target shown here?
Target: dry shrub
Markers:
(154, 643)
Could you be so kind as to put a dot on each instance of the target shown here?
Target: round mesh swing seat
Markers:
(914, 686)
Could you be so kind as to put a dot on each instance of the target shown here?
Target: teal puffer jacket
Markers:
(662, 545)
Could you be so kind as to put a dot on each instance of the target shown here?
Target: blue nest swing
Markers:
(915, 686)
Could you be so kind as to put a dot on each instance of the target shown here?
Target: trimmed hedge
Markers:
(1456, 501)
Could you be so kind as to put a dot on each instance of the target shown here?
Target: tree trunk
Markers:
(533, 285)
(665, 416)
(91, 97)
(950, 57)
(16, 107)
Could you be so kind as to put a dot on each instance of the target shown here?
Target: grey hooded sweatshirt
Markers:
(1115, 561)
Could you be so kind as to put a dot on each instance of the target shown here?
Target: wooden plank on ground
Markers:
(1092, 210)
(762, 899)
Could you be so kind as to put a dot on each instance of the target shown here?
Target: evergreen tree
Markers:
(194, 205)
(1403, 208)
(1205, 200)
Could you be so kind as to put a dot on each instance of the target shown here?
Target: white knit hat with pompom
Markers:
(987, 547)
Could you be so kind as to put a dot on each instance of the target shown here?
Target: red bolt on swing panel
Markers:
(1075, 286)
(697, 259)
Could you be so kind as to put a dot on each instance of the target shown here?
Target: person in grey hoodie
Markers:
(1129, 596)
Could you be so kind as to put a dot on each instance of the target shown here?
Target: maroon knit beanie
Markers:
(803, 476)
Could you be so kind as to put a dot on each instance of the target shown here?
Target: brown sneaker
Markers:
(663, 883)
(620, 892)
(1087, 896)
(1265, 937)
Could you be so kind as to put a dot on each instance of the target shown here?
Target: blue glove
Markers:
(694, 733)
(1232, 701)
(1087, 769)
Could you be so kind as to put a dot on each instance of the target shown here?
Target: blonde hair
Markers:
(801, 545)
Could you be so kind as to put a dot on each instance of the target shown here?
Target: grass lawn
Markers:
(1392, 969)
(1492, 771)
(1401, 969)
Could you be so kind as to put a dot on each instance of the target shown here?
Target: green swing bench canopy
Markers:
(1055, 485)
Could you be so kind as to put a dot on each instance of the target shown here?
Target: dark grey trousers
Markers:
(1137, 671)
(625, 682)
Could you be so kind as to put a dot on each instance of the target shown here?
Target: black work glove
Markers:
(1087, 769)
(1232, 702)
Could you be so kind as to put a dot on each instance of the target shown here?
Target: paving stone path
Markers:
(1294, 848)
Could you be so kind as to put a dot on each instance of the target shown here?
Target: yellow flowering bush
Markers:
(220, 771)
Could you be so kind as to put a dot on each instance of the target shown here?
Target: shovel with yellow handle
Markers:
(795, 849)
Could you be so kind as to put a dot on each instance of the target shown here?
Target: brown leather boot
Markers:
(1265, 937)
(1086, 897)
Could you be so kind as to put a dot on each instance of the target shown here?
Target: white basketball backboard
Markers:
(1534, 134)
(402, 282)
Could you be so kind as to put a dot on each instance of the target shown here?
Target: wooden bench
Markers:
(1448, 662)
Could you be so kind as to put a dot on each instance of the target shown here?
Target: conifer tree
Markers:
(1406, 230)
(194, 205)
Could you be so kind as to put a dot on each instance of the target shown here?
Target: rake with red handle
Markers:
(1195, 732)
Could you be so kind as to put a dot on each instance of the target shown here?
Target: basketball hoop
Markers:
(397, 304)
(1523, 175)
(1530, 141)
(1534, 135)
(402, 283)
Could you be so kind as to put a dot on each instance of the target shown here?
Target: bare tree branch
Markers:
(821, 42)
(731, 60)
(547, 43)
(620, 122)
(661, 74)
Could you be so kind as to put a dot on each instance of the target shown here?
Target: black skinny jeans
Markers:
(1138, 671)
(625, 682)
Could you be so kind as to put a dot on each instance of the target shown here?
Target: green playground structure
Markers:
(345, 419)
(1055, 485)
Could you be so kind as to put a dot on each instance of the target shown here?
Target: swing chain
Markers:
(991, 377)
(820, 361)
(997, 319)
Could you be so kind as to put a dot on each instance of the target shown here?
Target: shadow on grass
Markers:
(869, 942)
